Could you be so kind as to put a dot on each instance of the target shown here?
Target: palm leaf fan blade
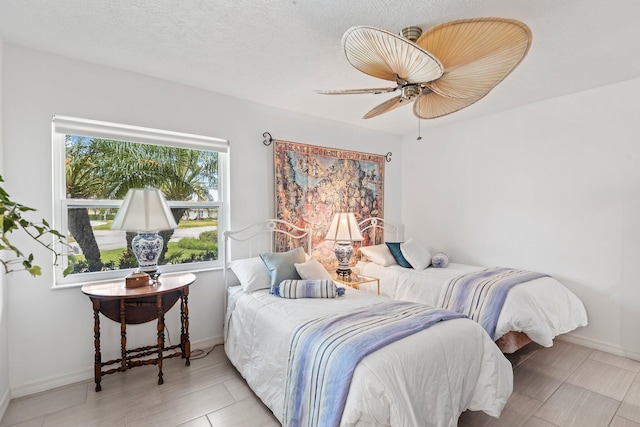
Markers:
(374, 90)
(477, 54)
(432, 105)
(386, 106)
(387, 56)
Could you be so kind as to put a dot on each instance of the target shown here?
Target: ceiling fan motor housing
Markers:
(411, 33)
(409, 92)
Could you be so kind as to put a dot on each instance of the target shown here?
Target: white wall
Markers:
(50, 334)
(4, 331)
(551, 187)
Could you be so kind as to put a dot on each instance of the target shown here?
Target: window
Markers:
(96, 163)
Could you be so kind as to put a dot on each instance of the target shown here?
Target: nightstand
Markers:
(355, 280)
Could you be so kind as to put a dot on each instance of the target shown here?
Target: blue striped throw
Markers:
(480, 295)
(325, 351)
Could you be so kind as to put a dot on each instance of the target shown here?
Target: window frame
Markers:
(65, 125)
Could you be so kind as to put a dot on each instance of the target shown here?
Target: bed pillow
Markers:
(378, 254)
(415, 254)
(252, 274)
(312, 270)
(281, 265)
(307, 289)
(394, 248)
(440, 260)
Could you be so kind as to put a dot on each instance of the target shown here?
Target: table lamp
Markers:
(146, 211)
(344, 230)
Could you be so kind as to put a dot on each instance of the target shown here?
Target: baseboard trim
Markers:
(599, 345)
(51, 383)
(4, 403)
(207, 343)
(83, 375)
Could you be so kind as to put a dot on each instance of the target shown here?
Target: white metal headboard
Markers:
(377, 228)
(270, 227)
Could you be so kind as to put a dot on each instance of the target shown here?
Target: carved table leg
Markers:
(97, 365)
(184, 336)
(160, 337)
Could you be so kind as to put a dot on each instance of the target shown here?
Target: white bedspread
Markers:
(542, 308)
(427, 379)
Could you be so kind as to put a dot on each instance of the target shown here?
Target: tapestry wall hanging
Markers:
(312, 183)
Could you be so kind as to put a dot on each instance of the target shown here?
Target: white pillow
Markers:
(252, 273)
(379, 254)
(312, 270)
(415, 254)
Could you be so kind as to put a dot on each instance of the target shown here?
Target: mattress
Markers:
(542, 308)
(426, 379)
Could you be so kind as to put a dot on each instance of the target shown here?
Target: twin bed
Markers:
(537, 310)
(426, 378)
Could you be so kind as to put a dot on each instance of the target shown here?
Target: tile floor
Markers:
(565, 385)
(568, 386)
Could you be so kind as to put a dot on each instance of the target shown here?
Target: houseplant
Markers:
(12, 219)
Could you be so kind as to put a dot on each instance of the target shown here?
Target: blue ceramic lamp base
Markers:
(147, 247)
(343, 251)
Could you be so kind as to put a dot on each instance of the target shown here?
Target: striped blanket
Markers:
(325, 351)
(480, 295)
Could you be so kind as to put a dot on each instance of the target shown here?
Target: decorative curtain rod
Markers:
(268, 139)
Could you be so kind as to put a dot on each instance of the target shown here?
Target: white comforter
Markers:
(427, 379)
(542, 308)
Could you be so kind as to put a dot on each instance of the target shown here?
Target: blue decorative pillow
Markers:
(307, 289)
(396, 251)
(281, 265)
(440, 260)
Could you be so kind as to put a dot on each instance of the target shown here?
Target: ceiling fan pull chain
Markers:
(419, 112)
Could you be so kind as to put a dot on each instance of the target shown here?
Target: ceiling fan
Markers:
(447, 68)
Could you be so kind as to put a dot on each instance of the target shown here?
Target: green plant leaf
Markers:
(11, 220)
(35, 271)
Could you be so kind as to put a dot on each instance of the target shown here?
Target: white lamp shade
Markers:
(344, 228)
(144, 209)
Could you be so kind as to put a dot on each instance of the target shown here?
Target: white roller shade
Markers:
(93, 128)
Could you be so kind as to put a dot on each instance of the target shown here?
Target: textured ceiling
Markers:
(278, 52)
